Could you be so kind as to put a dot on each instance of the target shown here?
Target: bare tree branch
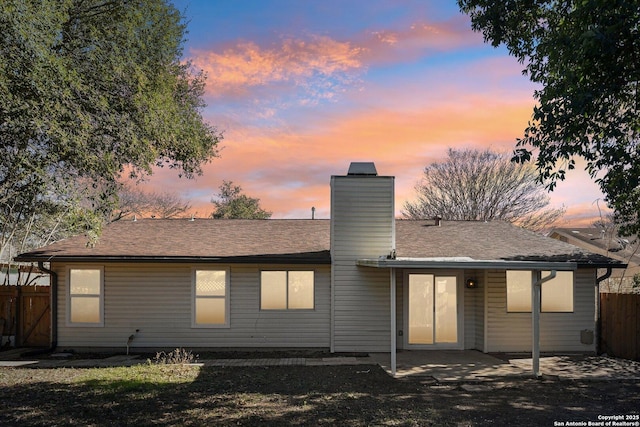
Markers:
(134, 201)
(482, 186)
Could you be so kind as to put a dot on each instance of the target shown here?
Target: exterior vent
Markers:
(362, 169)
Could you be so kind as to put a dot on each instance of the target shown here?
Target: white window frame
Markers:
(227, 302)
(550, 283)
(543, 286)
(100, 323)
(286, 308)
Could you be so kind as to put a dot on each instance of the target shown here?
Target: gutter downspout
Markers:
(600, 279)
(54, 304)
(537, 281)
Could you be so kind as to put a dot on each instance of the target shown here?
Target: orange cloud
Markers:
(236, 70)
(402, 127)
(289, 168)
(322, 66)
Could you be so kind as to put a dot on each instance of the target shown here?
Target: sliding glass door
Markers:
(432, 310)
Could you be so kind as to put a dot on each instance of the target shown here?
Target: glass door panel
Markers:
(446, 310)
(432, 309)
(420, 309)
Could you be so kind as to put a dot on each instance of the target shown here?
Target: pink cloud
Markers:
(418, 39)
(581, 215)
(237, 69)
(321, 65)
(401, 127)
(289, 168)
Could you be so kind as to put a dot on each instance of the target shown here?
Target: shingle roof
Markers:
(201, 239)
(493, 240)
(305, 241)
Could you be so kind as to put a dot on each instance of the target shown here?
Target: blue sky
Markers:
(302, 88)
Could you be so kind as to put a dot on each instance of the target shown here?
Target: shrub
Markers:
(175, 357)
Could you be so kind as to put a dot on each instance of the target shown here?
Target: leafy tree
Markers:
(134, 201)
(230, 203)
(482, 186)
(91, 90)
(585, 54)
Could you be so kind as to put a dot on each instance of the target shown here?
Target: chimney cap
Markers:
(362, 169)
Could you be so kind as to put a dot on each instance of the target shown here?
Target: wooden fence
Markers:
(25, 315)
(620, 325)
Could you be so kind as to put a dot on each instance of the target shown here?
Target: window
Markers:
(211, 298)
(286, 290)
(518, 291)
(85, 297)
(556, 295)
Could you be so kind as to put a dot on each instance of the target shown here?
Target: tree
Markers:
(585, 54)
(473, 185)
(134, 201)
(618, 245)
(230, 203)
(23, 228)
(92, 90)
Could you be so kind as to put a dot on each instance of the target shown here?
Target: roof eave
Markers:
(468, 264)
(602, 265)
(271, 259)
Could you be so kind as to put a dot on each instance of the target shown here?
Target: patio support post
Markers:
(535, 321)
(536, 284)
(392, 285)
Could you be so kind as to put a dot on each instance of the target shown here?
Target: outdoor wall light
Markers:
(471, 283)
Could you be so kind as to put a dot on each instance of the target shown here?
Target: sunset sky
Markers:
(302, 88)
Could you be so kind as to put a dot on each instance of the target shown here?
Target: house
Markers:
(359, 282)
(608, 243)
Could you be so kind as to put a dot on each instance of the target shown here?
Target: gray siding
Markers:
(362, 226)
(480, 304)
(511, 332)
(156, 299)
(474, 311)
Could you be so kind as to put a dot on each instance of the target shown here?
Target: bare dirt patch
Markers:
(296, 395)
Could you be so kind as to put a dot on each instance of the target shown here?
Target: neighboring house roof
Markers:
(305, 241)
(600, 241)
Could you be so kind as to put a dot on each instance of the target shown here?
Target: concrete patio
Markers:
(471, 365)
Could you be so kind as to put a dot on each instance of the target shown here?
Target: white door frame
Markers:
(459, 345)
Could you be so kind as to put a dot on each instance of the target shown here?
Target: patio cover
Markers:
(463, 263)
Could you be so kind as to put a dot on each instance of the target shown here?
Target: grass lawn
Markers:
(324, 395)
